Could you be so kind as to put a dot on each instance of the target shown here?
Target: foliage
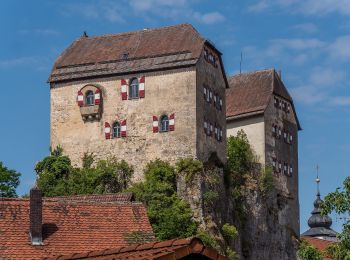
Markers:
(189, 167)
(57, 177)
(266, 182)
(229, 231)
(9, 181)
(88, 160)
(210, 197)
(207, 239)
(138, 237)
(339, 201)
(240, 156)
(170, 216)
(308, 252)
(231, 254)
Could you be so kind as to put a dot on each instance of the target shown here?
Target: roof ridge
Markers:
(138, 31)
(252, 72)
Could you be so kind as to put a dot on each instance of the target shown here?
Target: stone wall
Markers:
(166, 92)
(287, 186)
(212, 77)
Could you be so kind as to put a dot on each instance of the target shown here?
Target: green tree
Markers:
(308, 252)
(57, 177)
(240, 156)
(339, 202)
(170, 216)
(9, 181)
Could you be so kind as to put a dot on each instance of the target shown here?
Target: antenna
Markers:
(240, 63)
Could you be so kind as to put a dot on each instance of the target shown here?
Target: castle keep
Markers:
(138, 96)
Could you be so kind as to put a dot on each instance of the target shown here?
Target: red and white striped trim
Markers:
(142, 87)
(97, 97)
(107, 130)
(80, 98)
(155, 124)
(123, 128)
(172, 122)
(124, 89)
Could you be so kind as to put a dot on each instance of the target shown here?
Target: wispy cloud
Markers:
(306, 7)
(36, 63)
(340, 101)
(39, 31)
(121, 11)
(305, 28)
(209, 18)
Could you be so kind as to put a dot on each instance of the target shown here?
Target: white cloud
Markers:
(306, 7)
(307, 94)
(32, 62)
(123, 10)
(209, 18)
(340, 101)
(340, 49)
(39, 31)
(306, 27)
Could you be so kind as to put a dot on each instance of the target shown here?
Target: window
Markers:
(164, 123)
(89, 98)
(134, 88)
(116, 130)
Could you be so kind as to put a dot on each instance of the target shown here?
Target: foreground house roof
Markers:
(250, 93)
(145, 50)
(190, 248)
(319, 244)
(72, 225)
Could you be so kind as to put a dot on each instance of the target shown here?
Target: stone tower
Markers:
(138, 96)
(259, 103)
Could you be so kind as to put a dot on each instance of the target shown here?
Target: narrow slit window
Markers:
(164, 123)
(116, 130)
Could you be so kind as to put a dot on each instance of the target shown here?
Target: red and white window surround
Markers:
(132, 88)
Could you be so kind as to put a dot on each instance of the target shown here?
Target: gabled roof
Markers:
(103, 198)
(171, 249)
(146, 50)
(250, 93)
(71, 226)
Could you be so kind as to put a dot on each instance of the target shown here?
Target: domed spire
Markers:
(320, 225)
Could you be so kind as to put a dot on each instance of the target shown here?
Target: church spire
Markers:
(320, 225)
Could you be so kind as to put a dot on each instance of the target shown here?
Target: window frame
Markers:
(134, 88)
(113, 130)
(161, 129)
(89, 97)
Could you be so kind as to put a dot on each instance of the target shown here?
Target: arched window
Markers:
(134, 88)
(164, 123)
(89, 98)
(116, 130)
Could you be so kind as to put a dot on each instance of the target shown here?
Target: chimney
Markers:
(36, 216)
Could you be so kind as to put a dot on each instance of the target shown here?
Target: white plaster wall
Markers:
(254, 127)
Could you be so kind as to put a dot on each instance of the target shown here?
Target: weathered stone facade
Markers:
(177, 91)
(271, 125)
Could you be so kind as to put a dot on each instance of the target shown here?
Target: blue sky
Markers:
(309, 40)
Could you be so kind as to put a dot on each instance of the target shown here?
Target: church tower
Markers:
(320, 226)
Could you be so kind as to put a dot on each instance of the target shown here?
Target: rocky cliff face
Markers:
(262, 218)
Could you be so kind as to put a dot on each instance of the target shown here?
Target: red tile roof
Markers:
(250, 93)
(71, 226)
(320, 244)
(171, 249)
(148, 49)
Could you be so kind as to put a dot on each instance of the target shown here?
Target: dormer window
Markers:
(134, 88)
(89, 98)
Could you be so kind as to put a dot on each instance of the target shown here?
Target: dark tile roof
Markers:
(149, 49)
(170, 249)
(111, 197)
(249, 93)
(71, 226)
